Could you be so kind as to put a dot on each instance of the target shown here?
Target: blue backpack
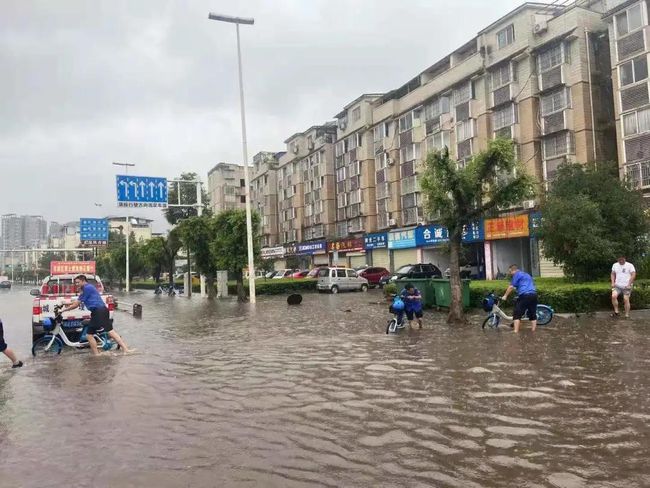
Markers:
(398, 304)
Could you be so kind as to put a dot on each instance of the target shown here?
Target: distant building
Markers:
(23, 231)
(56, 231)
(139, 227)
(264, 195)
(226, 187)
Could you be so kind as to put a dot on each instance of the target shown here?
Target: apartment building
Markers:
(264, 195)
(629, 48)
(23, 231)
(226, 187)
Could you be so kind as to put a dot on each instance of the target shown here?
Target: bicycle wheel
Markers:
(491, 321)
(39, 347)
(105, 343)
(544, 314)
(392, 326)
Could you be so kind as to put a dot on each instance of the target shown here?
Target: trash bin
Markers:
(137, 310)
(442, 291)
(425, 287)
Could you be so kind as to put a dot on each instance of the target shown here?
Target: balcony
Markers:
(410, 216)
(630, 45)
(503, 95)
(554, 123)
(638, 175)
(552, 78)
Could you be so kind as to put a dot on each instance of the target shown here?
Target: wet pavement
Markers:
(222, 395)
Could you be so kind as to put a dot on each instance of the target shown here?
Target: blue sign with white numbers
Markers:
(93, 231)
(141, 191)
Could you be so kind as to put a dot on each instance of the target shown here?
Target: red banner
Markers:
(72, 267)
(346, 245)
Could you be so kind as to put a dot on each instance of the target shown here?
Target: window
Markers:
(465, 130)
(359, 137)
(555, 101)
(463, 93)
(629, 21)
(438, 141)
(633, 70)
(506, 36)
(377, 134)
(356, 114)
(501, 76)
(636, 122)
(341, 200)
(339, 148)
(409, 152)
(405, 123)
(340, 174)
(351, 273)
(551, 57)
(355, 168)
(436, 108)
(242, 182)
(340, 273)
(557, 145)
(386, 129)
(242, 199)
(503, 117)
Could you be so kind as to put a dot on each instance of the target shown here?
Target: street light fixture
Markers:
(249, 225)
(126, 167)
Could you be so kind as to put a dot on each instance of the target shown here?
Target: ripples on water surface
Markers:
(219, 395)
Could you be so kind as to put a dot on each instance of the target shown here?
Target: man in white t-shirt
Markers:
(623, 276)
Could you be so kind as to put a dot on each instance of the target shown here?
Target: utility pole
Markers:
(126, 167)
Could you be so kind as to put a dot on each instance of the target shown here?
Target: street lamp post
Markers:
(249, 224)
(126, 167)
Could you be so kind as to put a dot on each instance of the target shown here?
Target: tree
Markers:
(47, 258)
(159, 254)
(590, 217)
(197, 233)
(460, 195)
(187, 197)
(230, 247)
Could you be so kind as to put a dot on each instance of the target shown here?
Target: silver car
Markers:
(340, 279)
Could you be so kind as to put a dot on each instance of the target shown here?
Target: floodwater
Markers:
(223, 395)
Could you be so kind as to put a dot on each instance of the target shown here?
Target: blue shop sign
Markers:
(311, 247)
(474, 232)
(376, 241)
(429, 235)
(401, 239)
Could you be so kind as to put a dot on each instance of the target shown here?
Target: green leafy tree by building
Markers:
(458, 196)
(589, 218)
(187, 197)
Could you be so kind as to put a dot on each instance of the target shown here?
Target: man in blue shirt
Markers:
(99, 314)
(412, 299)
(527, 301)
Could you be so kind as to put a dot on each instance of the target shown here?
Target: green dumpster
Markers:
(425, 287)
(442, 291)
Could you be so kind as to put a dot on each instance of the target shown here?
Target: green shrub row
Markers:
(564, 296)
(262, 286)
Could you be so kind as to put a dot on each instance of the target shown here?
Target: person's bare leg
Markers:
(420, 322)
(626, 302)
(92, 343)
(615, 302)
(517, 323)
(533, 325)
(11, 355)
(115, 336)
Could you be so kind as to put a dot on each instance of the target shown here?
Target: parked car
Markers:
(314, 272)
(270, 275)
(412, 271)
(283, 273)
(373, 275)
(340, 279)
(300, 274)
(5, 284)
(466, 271)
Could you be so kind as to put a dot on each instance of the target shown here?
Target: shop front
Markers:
(347, 252)
(313, 253)
(402, 247)
(275, 254)
(377, 250)
(545, 268)
(507, 242)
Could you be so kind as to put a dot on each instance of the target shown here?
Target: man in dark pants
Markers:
(8, 352)
(527, 301)
(99, 315)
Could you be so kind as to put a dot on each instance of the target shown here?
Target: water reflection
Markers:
(224, 394)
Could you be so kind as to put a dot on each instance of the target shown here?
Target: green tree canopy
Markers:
(456, 196)
(590, 217)
(187, 197)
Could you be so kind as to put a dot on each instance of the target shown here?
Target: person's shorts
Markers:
(622, 291)
(526, 304)
(411, 313)
(3, 344)
(99, 319)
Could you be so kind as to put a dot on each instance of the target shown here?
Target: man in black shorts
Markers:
(99, 315)
(8, 352)
(527, 301)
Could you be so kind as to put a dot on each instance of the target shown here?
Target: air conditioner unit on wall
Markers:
(540, 25)
(342, 124)
(392, 222)
(529, 204)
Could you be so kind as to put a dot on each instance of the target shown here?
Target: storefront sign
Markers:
(474, 232)
(290, 250)
(376, 241)
(401, 239)
(311, 247)
(346, 245)
(272, 252)
(535, 223)
(430, 235)
(507, 227)
(72, 267)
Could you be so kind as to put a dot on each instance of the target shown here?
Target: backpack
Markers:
(398, 304)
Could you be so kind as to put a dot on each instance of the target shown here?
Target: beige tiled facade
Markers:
(264, 195)
(226, 187)
(629, 36)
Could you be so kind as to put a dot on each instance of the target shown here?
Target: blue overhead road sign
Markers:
(141, 191)
(93, 231)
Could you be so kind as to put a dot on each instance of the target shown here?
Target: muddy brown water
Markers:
(223, 394)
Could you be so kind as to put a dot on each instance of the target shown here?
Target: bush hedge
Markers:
(564, 296)
(262, 286)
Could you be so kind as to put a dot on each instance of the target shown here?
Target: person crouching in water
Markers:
(412, 299)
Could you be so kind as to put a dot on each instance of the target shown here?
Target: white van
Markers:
(340, 279)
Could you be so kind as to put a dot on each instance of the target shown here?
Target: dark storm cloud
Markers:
(153, 82)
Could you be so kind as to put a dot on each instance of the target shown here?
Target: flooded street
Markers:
(220, 394)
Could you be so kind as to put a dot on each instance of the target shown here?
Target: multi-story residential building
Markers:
(12, 231)
(629, 48)
(56, 231)
(23, 231)
(264, 195)
(226, 187)
(139, 227)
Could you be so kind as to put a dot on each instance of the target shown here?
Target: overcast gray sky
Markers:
(153, 82)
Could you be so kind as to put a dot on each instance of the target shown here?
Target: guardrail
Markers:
(134, 308)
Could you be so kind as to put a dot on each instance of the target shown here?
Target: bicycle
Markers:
(491, 305)
(53, 341)
(397, 322)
